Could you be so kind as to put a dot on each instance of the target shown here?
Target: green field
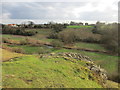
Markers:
(90, 46)
(31, 49)
(13, 37)
(32, 72)
(76, 26)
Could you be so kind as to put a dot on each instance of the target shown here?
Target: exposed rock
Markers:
(101, 73)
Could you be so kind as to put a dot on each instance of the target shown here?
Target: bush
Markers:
(71, 36)
(67, 37)
(17, 31)
(110, 40)
(57, 28)
(31, 42)
(53, 35)
(57, 43)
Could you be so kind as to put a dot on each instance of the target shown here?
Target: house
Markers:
(12, 25)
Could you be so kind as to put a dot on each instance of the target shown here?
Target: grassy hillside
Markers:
(6, 55)
(34, 72)
(108, 62)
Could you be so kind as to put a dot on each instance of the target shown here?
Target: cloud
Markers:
(47, 11)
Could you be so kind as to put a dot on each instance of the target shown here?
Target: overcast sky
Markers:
(40, 12)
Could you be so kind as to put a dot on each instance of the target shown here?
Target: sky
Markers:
(39, 11)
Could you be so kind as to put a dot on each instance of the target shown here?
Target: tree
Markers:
(30, 24)
(57, 28)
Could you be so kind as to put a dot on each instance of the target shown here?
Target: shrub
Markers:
(71, 36)
(110, 40)
(57, 28)
(30, 41)
(57, 43)
(17, 31)
(67, 37)
(53, 35)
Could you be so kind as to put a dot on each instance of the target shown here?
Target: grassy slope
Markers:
(32, 72)
(6, 55)
(108, 62)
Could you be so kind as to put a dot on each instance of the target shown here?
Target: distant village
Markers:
(27, 23)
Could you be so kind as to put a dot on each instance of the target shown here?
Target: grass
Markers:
(6, 55)
(77, 26)
(111, 84)
(31, 49)
(108, 62)
(13, 37)
(45, 73)
(89, 46)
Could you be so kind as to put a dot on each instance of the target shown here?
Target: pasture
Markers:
(79, 26)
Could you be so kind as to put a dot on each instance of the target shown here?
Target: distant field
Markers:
(13, 37)
(93, 46)
(76, 26)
